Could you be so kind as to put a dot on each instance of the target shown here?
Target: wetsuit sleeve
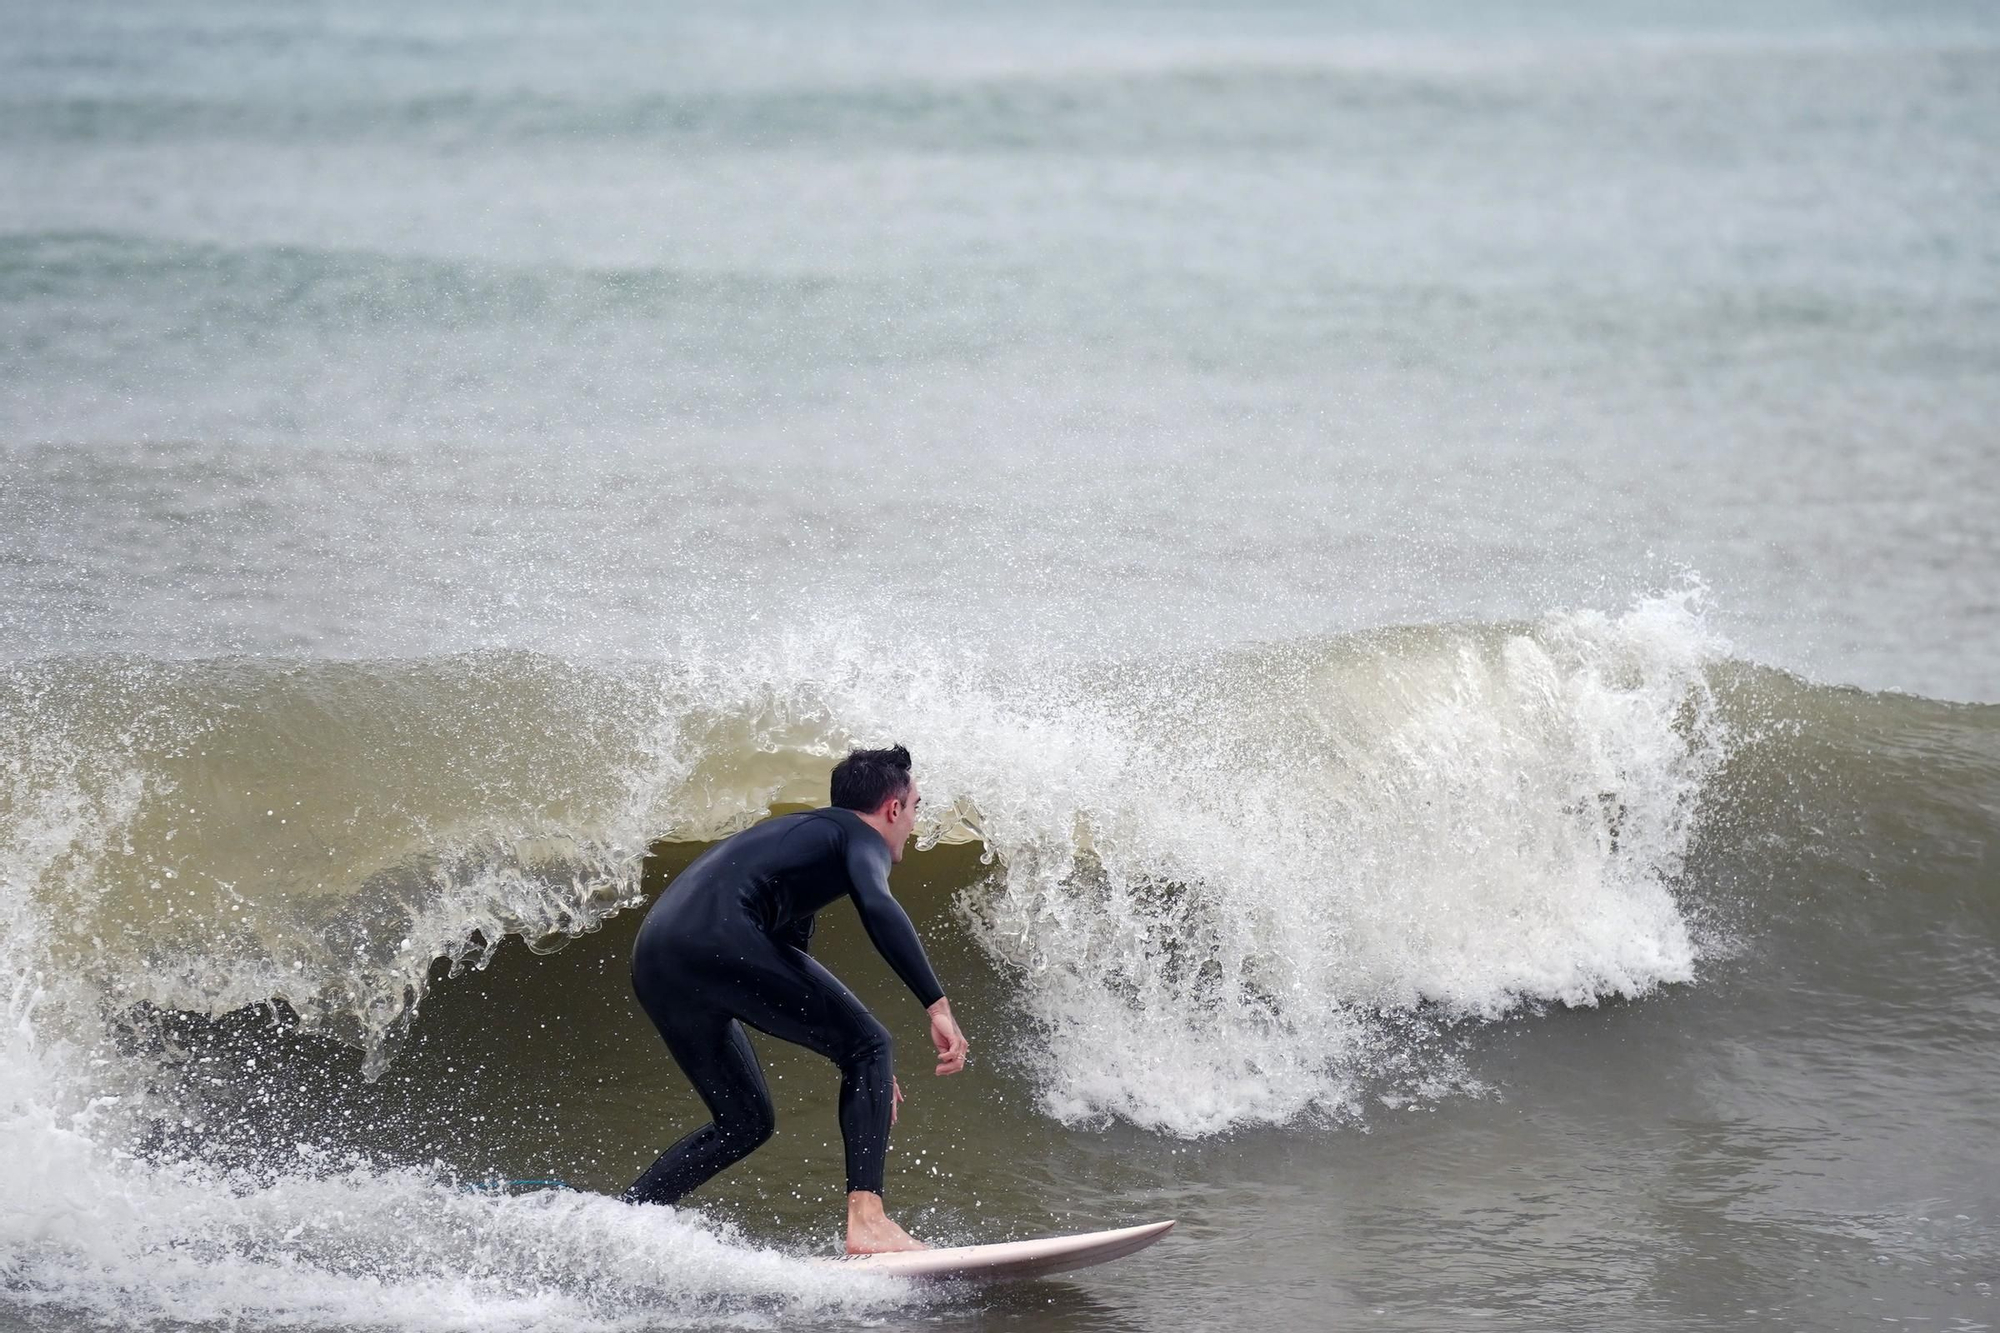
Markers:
(797, 934)
(888, 925)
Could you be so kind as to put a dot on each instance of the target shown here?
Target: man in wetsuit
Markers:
(726, 945)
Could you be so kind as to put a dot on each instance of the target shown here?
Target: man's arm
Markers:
(888, 925)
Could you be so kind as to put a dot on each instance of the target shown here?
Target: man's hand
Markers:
(950, 1042)
(895, 1097)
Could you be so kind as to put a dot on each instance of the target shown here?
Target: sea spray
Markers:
(1230, 920)
(322, 834)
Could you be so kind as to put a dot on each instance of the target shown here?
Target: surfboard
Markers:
(1012, 1258)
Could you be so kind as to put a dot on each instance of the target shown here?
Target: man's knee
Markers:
(761, 1127)
(750, 1128)
(871, 1042)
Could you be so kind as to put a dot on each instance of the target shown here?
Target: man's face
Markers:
(902, 821)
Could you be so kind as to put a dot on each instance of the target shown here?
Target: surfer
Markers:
(726, 945)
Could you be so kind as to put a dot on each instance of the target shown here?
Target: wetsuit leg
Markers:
(822, 1015)
(784, 992)
(712, 1049)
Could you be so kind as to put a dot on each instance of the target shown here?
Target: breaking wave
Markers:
(1254, 887)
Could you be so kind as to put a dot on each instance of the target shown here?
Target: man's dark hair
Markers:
(866, 778)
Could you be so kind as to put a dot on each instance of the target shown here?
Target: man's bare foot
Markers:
(869, 1230)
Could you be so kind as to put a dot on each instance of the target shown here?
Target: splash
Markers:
(1231, 915)
(357, 1244)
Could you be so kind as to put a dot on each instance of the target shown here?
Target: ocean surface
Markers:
(1440, 564)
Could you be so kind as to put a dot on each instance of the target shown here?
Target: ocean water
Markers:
(1438, 563)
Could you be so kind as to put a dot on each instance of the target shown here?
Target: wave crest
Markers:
(1220, 889)
(1457, 821)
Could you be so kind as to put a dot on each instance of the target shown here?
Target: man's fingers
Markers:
(951, 1046)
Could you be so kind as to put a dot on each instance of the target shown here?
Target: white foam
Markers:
(86, 1227)
(1209, 910)
(356, 1245)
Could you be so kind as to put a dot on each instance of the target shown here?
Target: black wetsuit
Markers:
(726, 945)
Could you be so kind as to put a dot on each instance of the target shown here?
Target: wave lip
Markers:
(1453, 822)
(204, 836)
